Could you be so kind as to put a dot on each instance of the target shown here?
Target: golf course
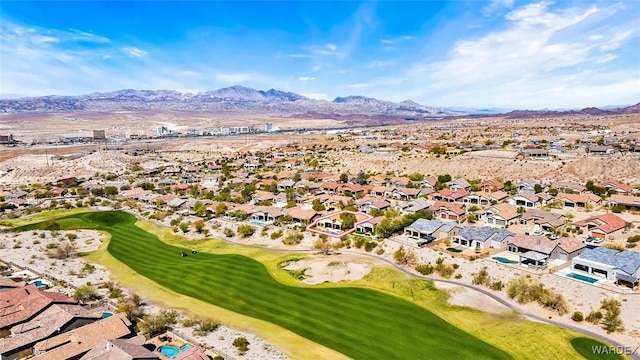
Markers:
(358, 322)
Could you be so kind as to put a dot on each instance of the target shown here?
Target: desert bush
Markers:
(611, 320)
(481, 277)
(497, 285)
(594, 317)
(525, 290)
(276, 234)
(228, 232)
(577, 316)
(293, 238)
(246, 230)
(425, 269)
(242, 344)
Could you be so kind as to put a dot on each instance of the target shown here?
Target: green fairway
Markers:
(360, 323)
(593, 349)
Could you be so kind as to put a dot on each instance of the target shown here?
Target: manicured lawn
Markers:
(360, 323)
(586, 347)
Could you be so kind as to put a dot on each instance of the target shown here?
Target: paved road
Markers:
(526, 314)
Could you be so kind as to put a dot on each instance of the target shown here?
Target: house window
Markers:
(581, 267)
(599, 272)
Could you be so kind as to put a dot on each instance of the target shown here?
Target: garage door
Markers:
(598, 235)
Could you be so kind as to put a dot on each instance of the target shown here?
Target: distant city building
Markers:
(224, 130)
(268, 127)
(6, 139)
(99, 135)
(240, 129)
(163, 130)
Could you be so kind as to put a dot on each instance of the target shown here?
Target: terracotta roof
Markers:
(44, 325)
(381, 189)
(504, 210)
(625, 199)
(613, 184)
(6, 282)
(119, 349)
(298, 213)
(78, 341)
(456, 208)
(330, 185)
(193, 353)
(580, 198)
(544, 245)
(21, 304)
(541, 217)
(606, 223)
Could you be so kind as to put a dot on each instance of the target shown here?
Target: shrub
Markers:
(246, 230)
(611, 321)
(633, 239)
(481, 278)
(404, 257)
(425, 269)
(370, 245)
(524, 290)
(577, 316)
(293, 238)
(594, 317)
(228, 232)
(242, 344)
(276, 234)
(497, 285)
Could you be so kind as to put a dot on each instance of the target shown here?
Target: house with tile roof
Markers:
(604, 226)
(423, 230)
(476, 237)
(120, 349)
(413, 206)
(448, 210)
(525, 200)
(491, 185)
(449, 195)
(616, 187)
(544, 219)
(367, 203)
(368, 227)
(568, 187)
(499, 215)
(75, 343)
(628, 201)
(579, 200)
(20, 305)
(622, 267)
(542, 249)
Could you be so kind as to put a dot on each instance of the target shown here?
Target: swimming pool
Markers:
(106, 314)
(40, 283)
(504, 260)
(171, 351)
(588, 279)
(258, 223)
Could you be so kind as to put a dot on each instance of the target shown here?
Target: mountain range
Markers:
(230, 99)
(273, 102)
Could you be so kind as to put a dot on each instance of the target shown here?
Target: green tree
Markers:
(200, 209)
(317, 205)
(537, 188)
(347, 220)
(184, 227)
(110, 190)
(221, 209)
(344, 177)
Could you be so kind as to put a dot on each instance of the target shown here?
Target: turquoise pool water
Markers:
(171, 351)
(258, 223)
(168, 351)
(588, 279)
(106, 314)
(504, 260)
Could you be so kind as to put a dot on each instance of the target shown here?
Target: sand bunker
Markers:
(322, 270)
(462, 296)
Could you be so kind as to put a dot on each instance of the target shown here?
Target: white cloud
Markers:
(306, 78)
(374, 64)
(234, 78)
(135, 52)
(377, 83)
(77, 35)
(45, 39)
(495, 5)
(537, 58)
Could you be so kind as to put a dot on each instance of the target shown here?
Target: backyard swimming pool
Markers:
(504, 260)
(106, 314)
(171, 351)
(258, 223)
(588, 279)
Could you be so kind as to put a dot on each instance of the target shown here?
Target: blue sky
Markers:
(494, 53)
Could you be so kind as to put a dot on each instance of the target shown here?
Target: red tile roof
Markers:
(606, 223)
(21, 304)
